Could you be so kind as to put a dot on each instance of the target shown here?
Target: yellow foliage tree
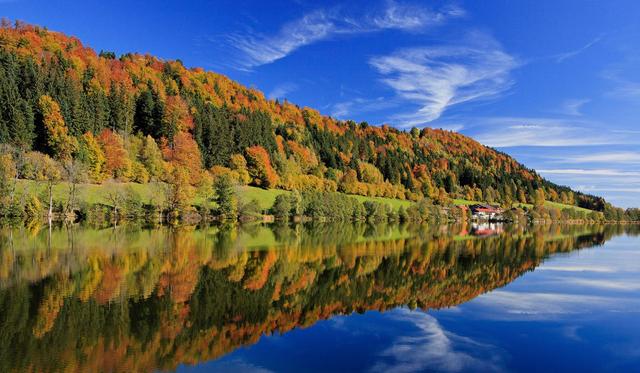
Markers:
(62, 145)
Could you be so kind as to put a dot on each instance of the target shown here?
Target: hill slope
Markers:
(137, 117)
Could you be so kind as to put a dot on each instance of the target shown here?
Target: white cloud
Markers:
(573, 106)
(626, 89)
(619, 74)
(438, 77)
(565, 56)
(593, 172)
(509, 305)
(608, 284)
(237, 366)
(282, 90)
(345, 109)
(626, 157)
(435, 349)
(598, 269)
(592, 189)
(531, 131)
(259, 49)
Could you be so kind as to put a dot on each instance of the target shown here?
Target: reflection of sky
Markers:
(578, 312)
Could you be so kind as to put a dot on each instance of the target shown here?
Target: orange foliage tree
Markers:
(117, 163)
(260, 169)
(185, 154)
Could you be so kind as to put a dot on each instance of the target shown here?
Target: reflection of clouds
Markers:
(508, 305)
(570, 268)
(619, 285)
(435, 349)
(571, 332)
(236, 366)
(539, 303)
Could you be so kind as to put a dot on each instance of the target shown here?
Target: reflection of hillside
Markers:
(87, 300)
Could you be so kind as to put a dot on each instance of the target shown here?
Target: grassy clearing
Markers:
(394, 203)
(265, 197)
(89, 193)
(557, 205)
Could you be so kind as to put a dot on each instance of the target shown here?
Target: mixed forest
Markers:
(70, 114)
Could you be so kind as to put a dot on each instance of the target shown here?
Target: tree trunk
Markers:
(50, 215)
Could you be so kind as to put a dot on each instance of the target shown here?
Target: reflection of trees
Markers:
(136, 300)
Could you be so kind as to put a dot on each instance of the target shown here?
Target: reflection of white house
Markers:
(486, 229)
(486, 212)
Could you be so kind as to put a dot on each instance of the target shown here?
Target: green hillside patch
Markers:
(557, 205)
(394, 203)
(88, 193)
(266, 197)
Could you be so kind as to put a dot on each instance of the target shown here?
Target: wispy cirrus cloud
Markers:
(577, 268)
(347, 109)
(436, 349)
(623, 78)
(619, 157)
(514, 131)
(595, 189)
(624, 285)
(510, 305)
(561, 57)
(438, 77)
(573, 106)
(256, 49)
(545, 132)
(282, 90)
(625, 89)
(590, 172)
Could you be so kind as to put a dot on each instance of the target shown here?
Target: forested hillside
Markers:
(138, 118)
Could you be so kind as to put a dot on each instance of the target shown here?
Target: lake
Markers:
(320, 297)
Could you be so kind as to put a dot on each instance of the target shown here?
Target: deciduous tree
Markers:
(61, 144)
(260, 169)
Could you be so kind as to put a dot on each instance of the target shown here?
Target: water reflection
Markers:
(130, 299)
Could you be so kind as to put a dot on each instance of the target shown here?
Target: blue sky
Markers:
(554, 83)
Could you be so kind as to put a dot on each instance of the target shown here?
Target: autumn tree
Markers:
(92, 155)
(42, 168)
(185, 154)
(117, 163)
(239, 164)
(61, 144)
(180, 192)
(176, 117)
(538, 198)
(260, 169)
(8, 172)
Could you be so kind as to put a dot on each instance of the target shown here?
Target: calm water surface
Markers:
(320, 298)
